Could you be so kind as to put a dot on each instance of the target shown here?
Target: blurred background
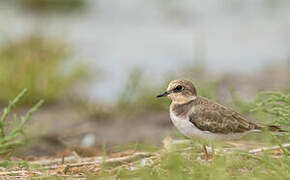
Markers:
(99, 64)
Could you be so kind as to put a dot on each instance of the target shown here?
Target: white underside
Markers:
(188, 129)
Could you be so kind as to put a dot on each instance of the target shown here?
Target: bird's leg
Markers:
(213, 152)
(205, 152)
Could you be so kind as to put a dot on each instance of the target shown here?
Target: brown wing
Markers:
(215, 118)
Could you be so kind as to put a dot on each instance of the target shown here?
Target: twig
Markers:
(20, 172)
(70, 159)
(112, 161)
(77, 156)
(253, 151)
(62, 159)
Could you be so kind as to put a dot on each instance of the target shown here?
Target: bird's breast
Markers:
(183, 124)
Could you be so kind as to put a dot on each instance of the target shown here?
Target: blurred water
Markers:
(161, 36)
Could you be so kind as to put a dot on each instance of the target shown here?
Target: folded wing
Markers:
(216, 118)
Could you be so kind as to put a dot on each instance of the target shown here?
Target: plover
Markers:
(194, 115)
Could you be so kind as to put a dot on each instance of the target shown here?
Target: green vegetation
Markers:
(53, 5)
(276, 105)
(187, 165)
(186, 162)
(139, 96)
(11, 135)
(36, 63)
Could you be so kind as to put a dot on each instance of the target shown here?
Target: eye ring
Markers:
(178, 88)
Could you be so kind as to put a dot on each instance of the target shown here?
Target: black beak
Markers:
(162, 95)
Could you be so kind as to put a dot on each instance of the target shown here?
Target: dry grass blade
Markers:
(253, 151)
(99, 161)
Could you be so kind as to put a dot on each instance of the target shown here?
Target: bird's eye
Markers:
(178, 88)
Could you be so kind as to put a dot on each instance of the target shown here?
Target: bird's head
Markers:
(180, 91)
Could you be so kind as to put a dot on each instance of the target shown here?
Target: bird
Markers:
(195, 115)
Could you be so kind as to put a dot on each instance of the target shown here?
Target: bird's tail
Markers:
(274, 128)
